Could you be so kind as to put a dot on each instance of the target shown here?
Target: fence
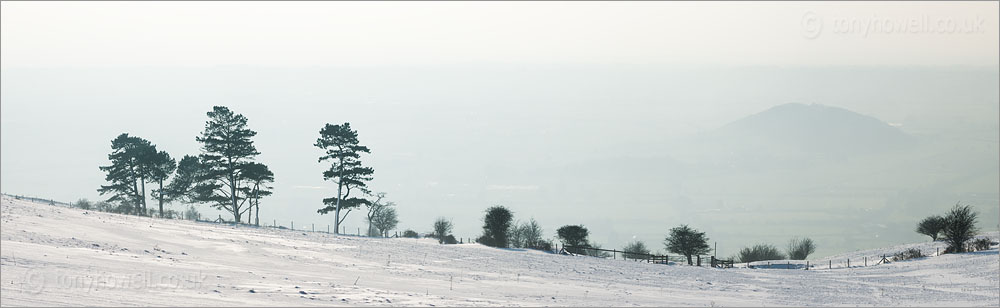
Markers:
(39, 200)
(649, 258)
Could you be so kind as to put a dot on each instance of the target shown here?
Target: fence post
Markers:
(848, 262)
(328, 229)
(274, 223)
(831, 264)
(937, 251)
(313, 227)
(866, 261)
(699, 260)
(614, 254)
(807, 265)
(293, 225)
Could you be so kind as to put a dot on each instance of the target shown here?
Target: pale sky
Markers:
(55, 34)
(571, 113)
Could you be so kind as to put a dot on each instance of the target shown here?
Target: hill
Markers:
(54, 256)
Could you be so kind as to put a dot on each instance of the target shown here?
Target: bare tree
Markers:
(442, 228)
(372, 209)
(385, 219)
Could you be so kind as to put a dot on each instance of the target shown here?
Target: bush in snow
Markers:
(525, 235)
(574, 235)
(449, 239)
(980, 244)
(799, 249)
(759, 252)
(442, 228)
(83, 204)
(192, 213)
(496, 225)
(960, 227)
(911, 253)
(636, 250)
(411, 234)
(931, 226)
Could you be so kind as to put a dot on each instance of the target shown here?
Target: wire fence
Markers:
(614, 254)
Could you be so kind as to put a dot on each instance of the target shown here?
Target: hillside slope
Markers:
(61, 256)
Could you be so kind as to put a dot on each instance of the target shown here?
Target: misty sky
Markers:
(467, 105)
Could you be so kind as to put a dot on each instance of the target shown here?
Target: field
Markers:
(56, 256)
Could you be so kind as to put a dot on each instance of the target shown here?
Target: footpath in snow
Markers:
(51, 256)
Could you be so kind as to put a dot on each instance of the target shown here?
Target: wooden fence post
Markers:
(699, 260)
(313, 227)
(866, 261)
(831, 264)
(807, 265)
(293, 225)
(848, 262)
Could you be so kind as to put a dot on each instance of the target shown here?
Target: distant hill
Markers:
(796, 134)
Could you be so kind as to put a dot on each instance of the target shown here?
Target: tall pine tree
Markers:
(162, 166)
(344, 154)
(127, 172)
(226, 148)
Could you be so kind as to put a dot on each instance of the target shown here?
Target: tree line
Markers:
(226, 176)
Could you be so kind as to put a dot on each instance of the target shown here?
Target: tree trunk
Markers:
(340, 187)
(689, 259)
(232, 190)
(256, 195)
(135, 189)
(161, 198)
(144, 210)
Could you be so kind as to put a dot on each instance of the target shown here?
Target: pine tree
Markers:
(127, 171)
(344, 153)
(226, 149)
(256, 176)
(162, 166)
(190, 172)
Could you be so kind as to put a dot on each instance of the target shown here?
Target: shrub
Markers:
(496, 224)
(442, 228)
(410, 234)
(192, 213)
(541, 245)
(799, 249)
(525, 235)
(911, 253)
(636, 250)
(574, 235)
(931, 226)
(980, 244)
(960, 227)
(759, 252)
(83, 204)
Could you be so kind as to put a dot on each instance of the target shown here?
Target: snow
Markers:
(56, 256)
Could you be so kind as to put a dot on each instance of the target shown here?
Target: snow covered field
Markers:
(60, 256)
